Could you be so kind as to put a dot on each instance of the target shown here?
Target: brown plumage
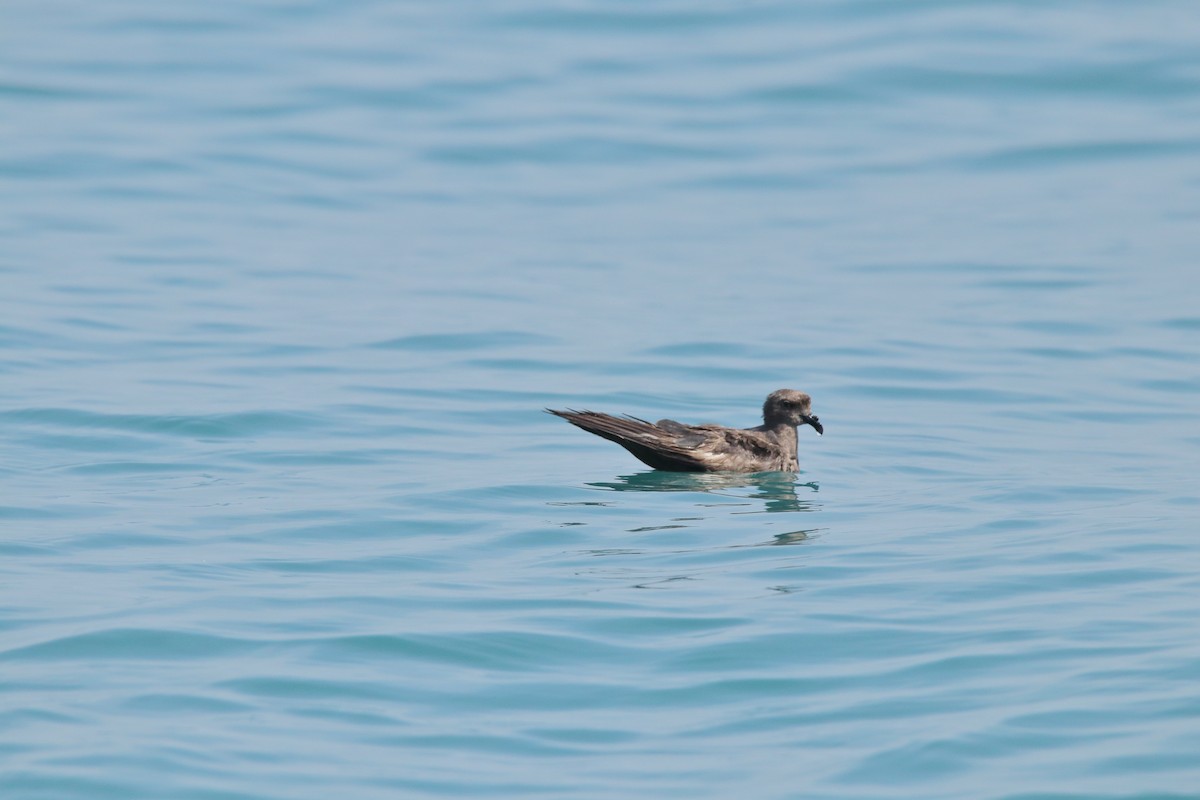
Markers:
(671, 445)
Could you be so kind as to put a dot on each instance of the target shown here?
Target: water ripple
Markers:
(219, 426)
(285, 287)
(128, 643)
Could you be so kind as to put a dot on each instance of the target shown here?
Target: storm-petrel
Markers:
(671, 445)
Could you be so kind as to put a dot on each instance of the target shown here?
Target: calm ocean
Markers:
(284, 288)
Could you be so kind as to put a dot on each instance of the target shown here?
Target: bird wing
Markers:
(673, 445)
(742, 450)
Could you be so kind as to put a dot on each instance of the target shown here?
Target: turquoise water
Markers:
(284, 289)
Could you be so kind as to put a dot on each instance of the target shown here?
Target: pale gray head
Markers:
(789, 407)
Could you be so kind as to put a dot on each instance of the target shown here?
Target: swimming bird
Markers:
(671, 445)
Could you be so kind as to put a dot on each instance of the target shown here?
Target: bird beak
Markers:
(816, 423)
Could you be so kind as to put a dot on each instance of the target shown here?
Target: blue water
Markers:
(284, 287)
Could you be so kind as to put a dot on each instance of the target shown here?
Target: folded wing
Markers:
(671, 445)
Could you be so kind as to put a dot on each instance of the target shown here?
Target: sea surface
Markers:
(285, 286)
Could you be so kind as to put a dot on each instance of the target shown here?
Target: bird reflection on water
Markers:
(778, 490)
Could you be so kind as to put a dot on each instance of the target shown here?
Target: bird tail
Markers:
(616, 429)
(651, 444)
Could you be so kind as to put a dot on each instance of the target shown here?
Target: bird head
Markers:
(790, 407)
